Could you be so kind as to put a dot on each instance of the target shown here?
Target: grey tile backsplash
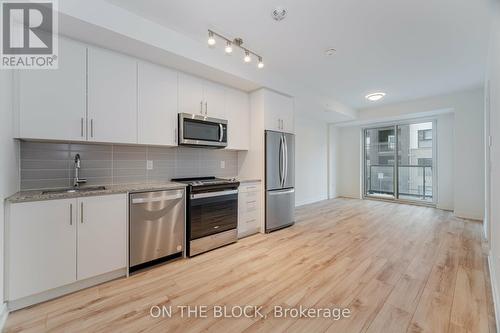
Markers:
(50, 165)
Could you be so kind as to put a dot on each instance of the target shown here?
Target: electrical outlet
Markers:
(222, 164)
(149, 165)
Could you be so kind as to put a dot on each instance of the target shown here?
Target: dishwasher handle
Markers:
(158, 199)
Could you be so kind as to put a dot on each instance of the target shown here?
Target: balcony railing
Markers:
(414, 181)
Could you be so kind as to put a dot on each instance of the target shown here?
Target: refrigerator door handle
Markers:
(283, 160)
(285, 174)
(273, 193)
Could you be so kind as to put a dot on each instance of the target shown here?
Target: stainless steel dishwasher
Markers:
(157, 227)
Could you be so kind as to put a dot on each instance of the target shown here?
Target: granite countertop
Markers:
(38, 195)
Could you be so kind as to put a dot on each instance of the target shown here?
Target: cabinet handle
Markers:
(206, 107)
(175, 135)
(201, 107)
(81, 128)
(70, 214)
(92, 128)
(81, 213)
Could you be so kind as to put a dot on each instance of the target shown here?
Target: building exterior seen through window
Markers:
(399, 162)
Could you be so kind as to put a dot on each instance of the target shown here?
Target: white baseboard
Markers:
(20, 303)
(311, 200)
(494, 288)
(4, 312)
(467, 216)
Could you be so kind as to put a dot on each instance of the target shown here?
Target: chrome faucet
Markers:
(77, 181)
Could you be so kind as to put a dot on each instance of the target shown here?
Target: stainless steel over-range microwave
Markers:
(197, 130)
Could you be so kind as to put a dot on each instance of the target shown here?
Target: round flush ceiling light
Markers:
(278, 13)
(375, 96)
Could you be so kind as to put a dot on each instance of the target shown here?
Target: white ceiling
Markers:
(409, 49)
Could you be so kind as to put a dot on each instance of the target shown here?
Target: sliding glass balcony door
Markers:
(399, 162)
(380, 156)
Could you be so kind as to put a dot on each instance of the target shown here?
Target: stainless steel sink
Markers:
(75, 190)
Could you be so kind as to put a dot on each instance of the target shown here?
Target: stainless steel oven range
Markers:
(211, 213)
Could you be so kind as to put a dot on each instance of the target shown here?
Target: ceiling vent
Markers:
(279, 13)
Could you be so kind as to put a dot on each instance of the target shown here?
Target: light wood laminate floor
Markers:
(399, 268)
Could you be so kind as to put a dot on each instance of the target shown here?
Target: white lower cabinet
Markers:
(41, 246)
(102, 235)
(249, 209)
(54, 243)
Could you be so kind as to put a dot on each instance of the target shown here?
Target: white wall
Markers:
(333, 160)
(459, 147)
(445, 161)
(347, 169)
(311, 160)
(493, 77)
(9, 157)
(469, 156)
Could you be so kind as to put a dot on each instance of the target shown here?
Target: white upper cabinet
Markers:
(52, 103)
(98, 95)
(238, 116)
(279, 112)
(214, 103)
(191, 94)
(41, 246)
(157, 113)
(202, 97)
(112, 97)
(102, 235)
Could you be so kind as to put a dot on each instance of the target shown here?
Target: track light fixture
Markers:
(229, 48)
(260, 64)
(238, 42)
(247, 57)
(211, 39)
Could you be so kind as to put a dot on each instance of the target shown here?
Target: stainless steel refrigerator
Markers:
(280, 180)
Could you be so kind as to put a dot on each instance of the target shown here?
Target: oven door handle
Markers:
(212, 194)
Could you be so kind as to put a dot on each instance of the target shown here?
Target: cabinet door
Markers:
(112, 98)
(288, 123)
(191, 94)
(215, 99)
(249, 209)
(102, 232)
(278, 112)
(52, 103)
(41, 246)
(157, 113)
(238, 117)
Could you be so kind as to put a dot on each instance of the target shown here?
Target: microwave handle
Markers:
(221, 132)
